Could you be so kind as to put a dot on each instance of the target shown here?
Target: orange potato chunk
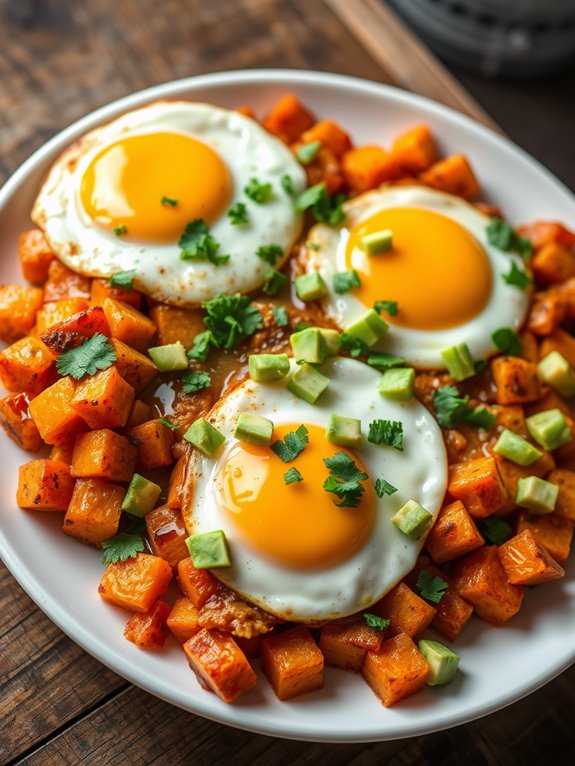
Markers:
(453, 535)
(366, 167)
(516, 380)
(94, 511)
(149, 631)
(179, 484)
(129, 325)
(52, 411)
(136, 369)
(26, 365)
(103, 454)
(104, 400)
(154, 442)
(478, 485)
(344, 644)
(58, 311)
(73, 331)
(183, 619)
(16, 420)
(18, 307)
(136, 583)
(547, 313)
(101, 289)
(553, 532)
(562, 342)
(526, 562)
(197, 584)
(177, 324)
(140, 413)
(64, 283)
(35, 255)
(553, 264)
(331, 136)
(396, 671)
(288, 119)
(407, 612)
(565, 480)
(44, 485)
(453, 175)
(167, 534)
(292, 662)
(415, 150)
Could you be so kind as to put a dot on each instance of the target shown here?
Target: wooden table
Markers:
(58, 60)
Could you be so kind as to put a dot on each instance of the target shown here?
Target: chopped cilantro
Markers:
(307, 152)
(523, 247)
(507, 341)
(123, 279)
(197, 244)
(390, 307)
(344, 480)
(125, 545)
(96, 353)
(201, 346)
(481, 417)
(195, 381)
(293, 444)
(325, 208)
(354, 346)
(270, 253)
(382, 361)
(287, 184)
(480, 365)
(169, 201)
(238, 214)
(383, 487)
(495, 530)
(517, 277)
(452, 408)
(120, 230)
(344, 281)
(376, 622)
(168, 423)
(230, 319)
(273, 282)
(431, 587)
(500, 234)
(386, 433)
(280, 316)
(258, 192)
(291, 475)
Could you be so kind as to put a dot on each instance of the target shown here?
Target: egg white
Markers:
(507, 306)
(247, 150)
(419, 473)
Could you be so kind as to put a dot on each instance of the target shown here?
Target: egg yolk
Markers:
(298, 525)
(149, 186)
(436, 270)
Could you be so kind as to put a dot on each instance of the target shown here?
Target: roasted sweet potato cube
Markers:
(324, 168)
(366, 167)
(16, 420)
(104, 400)
(197, 584)
(54, 313)
(565, 455)
(219, 664)
(129, 325)
(136, 583)
(102, 289)
(26, 365)
(396, 670)
(480, 579)
(288, 119)
(150, 630)
(565, 480)
(136, 369)
(345, 643)
(530, 350)
(250, 646)
(567, 290)
(478, 485)
(516, 380)
(549, 401)
(44, 485)
(140, 413)
(154, 443)
(553, 264)
(177, 324)
(553, 532)
(292, 662)
(103, 454)
(64, 283)
(453, 175)
(541, 233)
(453, 535)
(73, 331)
(18, 307)
(547, 312)
(510, 474)
(35, 255)
(415, 150)
(167, 534)
(526, 562)
(178, 485)
(562, 342)
(52, 411)
(453, 612)
(94, 511)
(407, 612)
(63, 453)
(183, 619)
(330, 134)
(511, 416)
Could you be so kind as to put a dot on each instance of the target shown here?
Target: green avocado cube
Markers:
(412, 519)
(264, 367)
(459, 361)
(537, 495)
(515, 448)
(556, 371)
(443, 663)
(332, 340)
(254, 429)
(369, 328)
(171, 356)
(308, 383)
(209, 550)
(343, 431)
(311, 287)
(549, 428)
(204, 437)
(309, 346)
(377, 242)
(141, 496)
(398, 383)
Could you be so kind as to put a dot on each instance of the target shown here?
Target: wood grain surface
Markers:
(59, 59)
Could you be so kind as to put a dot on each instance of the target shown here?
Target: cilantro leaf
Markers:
(270, 253)
(291, 475)
(238, 214)
(325, 208)
(355, 346)
(452, 408)
(431, 587)
(169, 201)
(501, 234)
(230, 319)
(523, 247)
(258, 192)
(96, 353)
(195, 381)
(516, 277)
(495, 530)
(122, 547)
(280, 316)
(168, 423)
(201, 346)
(120, 230)
(386, 433)
(389, 307)
(293, 444)
(507, 341)
(197, 244)
(480, 365)
(376, 622)
(307, 152)
(123, 279)
(287, 184)
(344, 281)
(344, 480)
(481, 417)
(274, 281)
(383, 487)
(382, 361)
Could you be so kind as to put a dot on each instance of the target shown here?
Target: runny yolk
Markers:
(125, 182)
(297, 525)
(436, 270)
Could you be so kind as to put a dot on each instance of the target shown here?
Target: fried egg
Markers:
(294, 552)
(121, 198)
(445, 276)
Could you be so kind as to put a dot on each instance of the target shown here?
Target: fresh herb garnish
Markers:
(169, 201)
(500, 234)
(168, 423)
(307, 152)
(386, 433)
(292, 475)
(96, 353)
(197, 244)
(280, 316)
(231, 319)
(431, 587)
(353, 345)
(238, 214)
(344, 480)
(452, 408)
(326, 208)
(383, 487)
(201, 346)
(293, 444)
(273, 282)
(507, 341)
(123, 279)
(382, 361)
(344, 281)
(390, 307)
(125, 545)
(495, 530)
(195, 381)
(299, 326)
(480, 365)
(270, 253)
(258, 192)
(120, 230)
(481, 417)
(376, 622)
(287, 184)
(517, 277)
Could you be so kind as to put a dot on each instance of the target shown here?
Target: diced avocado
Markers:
(459, 361)
(205, 437)
(515, 448)
(412, 519)
(311, 287)
(172, 356)
(549, 428)
(309, 346)
(268, 366)
(209, 550)
(332, 340)
(141, 497)
(556, 371)
(397, 383)
(443, 663)
(308, 383)
(344, 431)
(369, 328)
(537, 495)
(254, 429)
(377, 242)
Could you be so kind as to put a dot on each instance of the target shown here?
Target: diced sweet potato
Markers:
(177, 324)
(154, 443)
(562, 342)
(140, 413)
(94, 511)
(101, 289)
(453, 175)
(565, 455)
(331, 136)
(292, 662)
(167, 534)
(197, 584)
(44, 485)
(249, 646)
(149, 631)
(26, 365)
(510, 474)
(565, 480)
(288, 119)
(516, 380)
(567, 290)
(480, 579)
(58, 311)
(345, 643)
(219, 664)
(407, 612)
(526, 562)
(530, 350)
(541, 233)
(129, 325)
(64, 283)
(367, 167)
(453, 535)
(455, 443)
(104, 400)
(324, 167)
(183, 619)
(415, 150)
(73, 331)
(52, 411)
(18, 307)
(136, 583)
(63, 453)
(478, 485)
(553, 264)
(137, 369)
(178, 484)
(16, 420)
(553, 532)
(547, 312)
(35, 255)
(396, 671)
(103, 454)
(549, 401)
(511, 416)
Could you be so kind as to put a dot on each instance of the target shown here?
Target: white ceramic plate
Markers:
(498, 666)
